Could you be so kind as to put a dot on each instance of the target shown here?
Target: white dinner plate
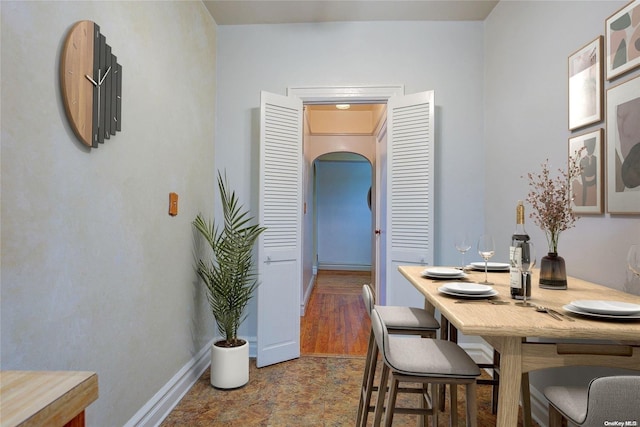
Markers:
(442, 271)
(491, 293)
(493, 266)
(573, 309)
(460, 275)
(467, 288)
(613, 308)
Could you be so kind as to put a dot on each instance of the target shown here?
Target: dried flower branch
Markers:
(551, 200)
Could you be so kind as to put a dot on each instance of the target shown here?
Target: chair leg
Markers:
(367, 382)
(453, 405)
(555, 417)
(472, 406)
(435, 403)
(441, 390)
(445, 328)
(391, 402)
(495, 387)
(370, 387)
(382, 389)
(425, 401)
(526, 401)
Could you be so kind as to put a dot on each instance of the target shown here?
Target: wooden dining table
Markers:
(46, 398)
(528, 340)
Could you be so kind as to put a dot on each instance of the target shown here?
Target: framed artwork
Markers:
(587, 189)
(623, 147)
(622, 33)
(585, 85)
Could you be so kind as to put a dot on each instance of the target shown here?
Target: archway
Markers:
(342, 213)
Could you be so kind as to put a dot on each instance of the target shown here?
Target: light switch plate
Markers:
(173, 204)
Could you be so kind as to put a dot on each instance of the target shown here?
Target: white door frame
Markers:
(354, 95)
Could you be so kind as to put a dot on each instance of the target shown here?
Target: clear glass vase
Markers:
(553, 273)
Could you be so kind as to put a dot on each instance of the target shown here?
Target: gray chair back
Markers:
(611, 399)
(381, 333)
(367, 296)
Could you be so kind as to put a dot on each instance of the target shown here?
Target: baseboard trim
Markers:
(346, 267)
(163, 402)
(307, 295)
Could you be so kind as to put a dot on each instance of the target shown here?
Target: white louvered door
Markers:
(410, 160)
(280, 246)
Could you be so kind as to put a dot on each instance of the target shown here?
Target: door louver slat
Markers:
(282, 146)
(410, 191)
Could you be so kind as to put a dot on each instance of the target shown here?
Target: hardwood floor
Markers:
(335, 320)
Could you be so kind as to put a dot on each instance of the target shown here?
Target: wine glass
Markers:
(633, 259)
(528, 262)
(486, 249)
(462, 244)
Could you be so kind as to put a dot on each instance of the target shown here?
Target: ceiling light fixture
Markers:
(343, 106)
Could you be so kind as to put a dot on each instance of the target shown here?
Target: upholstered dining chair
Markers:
(398, 320)
(613, 401)
(426, 361)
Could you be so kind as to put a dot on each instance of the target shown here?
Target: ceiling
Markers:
(243, 12)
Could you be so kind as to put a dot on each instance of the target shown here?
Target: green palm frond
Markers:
(230, 276)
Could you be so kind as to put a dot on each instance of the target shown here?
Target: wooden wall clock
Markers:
(91, 84)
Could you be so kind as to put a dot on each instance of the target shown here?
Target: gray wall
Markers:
(95, 274)
(526, 49)
(526, 84)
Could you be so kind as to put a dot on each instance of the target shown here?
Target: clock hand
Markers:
(105, 75)
(91, 80)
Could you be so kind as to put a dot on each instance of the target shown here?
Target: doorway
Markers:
(337, 141)
(285, 195)
(335, 321)
(330, 96)
(342, 215)
(340, 182)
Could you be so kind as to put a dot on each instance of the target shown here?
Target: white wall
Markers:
(95, 274)
(444, 56)
(526, 49)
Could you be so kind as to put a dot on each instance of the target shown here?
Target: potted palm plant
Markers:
(230, 279)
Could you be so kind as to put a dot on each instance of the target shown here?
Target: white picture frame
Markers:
(622, 53)
(623, 147)
(587, 188)
(585, 72)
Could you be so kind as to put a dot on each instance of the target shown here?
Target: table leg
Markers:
(510, 381)
(77, 421)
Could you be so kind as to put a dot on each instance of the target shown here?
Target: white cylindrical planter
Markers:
(230, 366)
